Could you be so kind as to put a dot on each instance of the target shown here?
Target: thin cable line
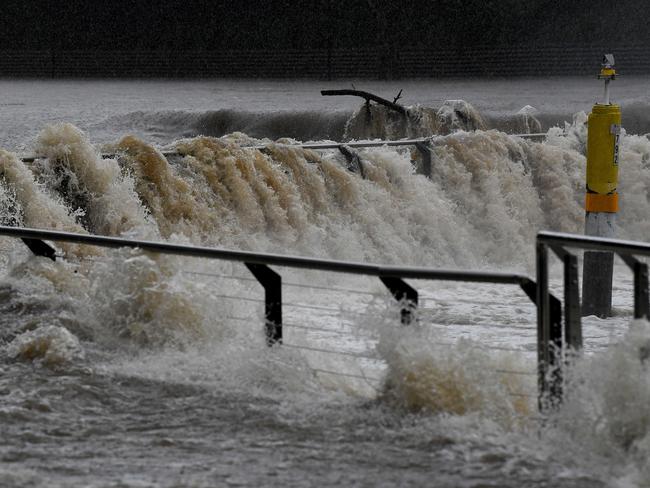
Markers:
(351, 375)
(507, 371)
(336, 311)
(494, 326)
(256, 300)
(216, 275)
(329, 351)
(243, 319)
(343, 290)
(322, 329)
(498, 348)
(522, 395)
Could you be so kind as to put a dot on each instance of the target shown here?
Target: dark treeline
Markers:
(253, 24)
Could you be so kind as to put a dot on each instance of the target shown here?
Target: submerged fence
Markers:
(423, 146)
(258, 264)
(558, 333)
(552, 340)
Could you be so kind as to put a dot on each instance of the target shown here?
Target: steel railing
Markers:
(259, 265)
(553, 341)
(558, 333)
(422, 145)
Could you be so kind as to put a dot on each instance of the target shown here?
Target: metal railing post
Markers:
(272, 283)
(424, 149)
(572, 308)
(354, 160)
(555, 354)
(641, 306)
(40, 248)
(543, 325)
(640, 270)
(406, 295)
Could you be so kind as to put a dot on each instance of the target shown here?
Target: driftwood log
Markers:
(368, 97)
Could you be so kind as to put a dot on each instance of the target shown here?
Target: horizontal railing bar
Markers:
(271, 259)
(362, 144)
(595, 243)
(286, 283)
(326, 145)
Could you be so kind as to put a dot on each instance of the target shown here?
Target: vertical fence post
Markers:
(40, 248)
(406, 295)
(555, 353)
(543, 321)
(641, 306)
(549, 336)
(572, 308)
(427, 161)
(272, 283)
(355, 163)
(640, 270)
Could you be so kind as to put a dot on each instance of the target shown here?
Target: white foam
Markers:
(49, 345)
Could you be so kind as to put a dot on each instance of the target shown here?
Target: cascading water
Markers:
(104, 343)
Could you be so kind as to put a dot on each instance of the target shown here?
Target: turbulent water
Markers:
(123, 368)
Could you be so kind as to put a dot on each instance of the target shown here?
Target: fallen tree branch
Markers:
(368, 97)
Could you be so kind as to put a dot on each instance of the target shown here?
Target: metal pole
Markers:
(272, 284)
(424, 149)
(406, 295)
(572, 316)
(601, 202)
(640, 270)
(543, 324)
(572, 319)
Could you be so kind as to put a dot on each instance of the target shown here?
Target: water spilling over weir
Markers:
(152, 370)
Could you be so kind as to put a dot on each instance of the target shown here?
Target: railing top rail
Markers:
(619, 246)
(270, 259)
(315, 146)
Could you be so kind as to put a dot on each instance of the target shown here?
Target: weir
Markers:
(419, 143)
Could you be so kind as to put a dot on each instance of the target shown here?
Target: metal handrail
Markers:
(595, 243)
(258, 264)
(552, 338)
(311, 146)
(348, 267)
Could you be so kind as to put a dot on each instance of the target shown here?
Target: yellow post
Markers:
(601, 202)
(604, 127)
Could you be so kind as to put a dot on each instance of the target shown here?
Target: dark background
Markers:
(319, 38)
